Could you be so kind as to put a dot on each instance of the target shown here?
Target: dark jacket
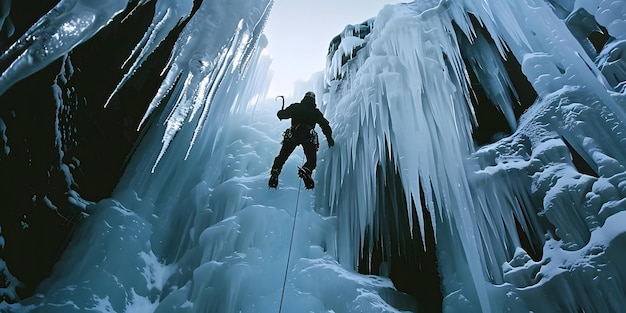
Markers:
(306, 113)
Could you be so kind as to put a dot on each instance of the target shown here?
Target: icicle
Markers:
(168, 14)
(67, 25)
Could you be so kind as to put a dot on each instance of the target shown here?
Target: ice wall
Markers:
(407, 97)
(192, 226)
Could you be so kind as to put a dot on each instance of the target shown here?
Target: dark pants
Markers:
(289, 144)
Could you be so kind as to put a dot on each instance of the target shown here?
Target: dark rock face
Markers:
(36, 216)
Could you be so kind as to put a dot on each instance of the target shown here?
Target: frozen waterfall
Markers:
(531, 221)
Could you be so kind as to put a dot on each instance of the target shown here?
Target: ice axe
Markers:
(283, 97)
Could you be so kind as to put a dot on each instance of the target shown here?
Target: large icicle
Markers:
(416, 98)
(409, 83)
(205, 55)
(68, 24)
(168, 14)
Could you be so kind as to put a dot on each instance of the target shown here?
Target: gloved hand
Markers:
(331, 142)
(281, 115)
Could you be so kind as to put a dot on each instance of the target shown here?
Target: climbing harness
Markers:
(293, 229)
(288, 134)
(315, 140)
(292, 134)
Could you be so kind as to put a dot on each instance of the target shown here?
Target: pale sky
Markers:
(299, 32)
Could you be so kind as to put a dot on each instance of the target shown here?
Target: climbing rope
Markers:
(293, 228)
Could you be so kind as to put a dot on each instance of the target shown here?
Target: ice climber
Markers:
(304, 116)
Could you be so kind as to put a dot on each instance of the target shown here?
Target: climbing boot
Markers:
(273, 181)
(305, 174)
